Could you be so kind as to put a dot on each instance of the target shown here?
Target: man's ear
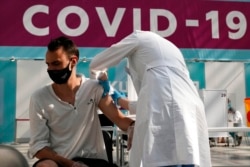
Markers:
(74, 60)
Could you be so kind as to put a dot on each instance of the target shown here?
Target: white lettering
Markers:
(154, 14)
(27, 20)
(120, 85)
(238, 29)
(137, 19)
(61, 21)
(110, 28)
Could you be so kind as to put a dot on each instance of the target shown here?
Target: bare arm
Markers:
(48, 153)
(114, 114)
(124, 103)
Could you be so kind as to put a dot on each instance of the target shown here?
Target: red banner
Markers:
(100, 23)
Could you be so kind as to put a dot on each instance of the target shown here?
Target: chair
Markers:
(104, 121)
(11, 157)
(107, 136)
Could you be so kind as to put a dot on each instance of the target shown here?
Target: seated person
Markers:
(64, 124)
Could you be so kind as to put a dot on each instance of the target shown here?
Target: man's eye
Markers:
(56, 63)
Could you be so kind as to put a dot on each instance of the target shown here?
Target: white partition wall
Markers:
(228, 76)
(215, 102)
(31, 75)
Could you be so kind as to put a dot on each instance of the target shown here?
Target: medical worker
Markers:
(171, 128)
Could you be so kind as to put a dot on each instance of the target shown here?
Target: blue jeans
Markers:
(180, 166)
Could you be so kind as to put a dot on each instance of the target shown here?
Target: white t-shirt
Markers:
(236, 118)
(69, 130)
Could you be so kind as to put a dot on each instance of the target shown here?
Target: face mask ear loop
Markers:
(70, 66)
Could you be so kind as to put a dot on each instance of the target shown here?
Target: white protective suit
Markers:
(170, 126)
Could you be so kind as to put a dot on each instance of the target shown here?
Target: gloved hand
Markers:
(79, 164)
(116, 96)
(106, 87)
(103, 81)
(130, 133)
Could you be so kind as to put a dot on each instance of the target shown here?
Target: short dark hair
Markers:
(231, 109)
(68, 45)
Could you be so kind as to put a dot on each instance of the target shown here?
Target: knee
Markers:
(46, 163)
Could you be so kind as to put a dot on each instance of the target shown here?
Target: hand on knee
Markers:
(46, 163)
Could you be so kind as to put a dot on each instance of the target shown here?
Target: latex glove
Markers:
(79, 164)
(130, 133)
(106, 87)
(103, 81)
(116, 96)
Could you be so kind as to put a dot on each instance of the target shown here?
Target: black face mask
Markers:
(60, 76)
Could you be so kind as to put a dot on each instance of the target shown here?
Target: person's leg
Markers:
(234, 136)
(180, 166)
(238, 139)
(46, 163)
(91, 162)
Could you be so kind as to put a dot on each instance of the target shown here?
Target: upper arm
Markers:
(38, 128)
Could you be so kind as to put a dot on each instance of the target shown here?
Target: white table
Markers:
(229, 129)
(245, 130)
